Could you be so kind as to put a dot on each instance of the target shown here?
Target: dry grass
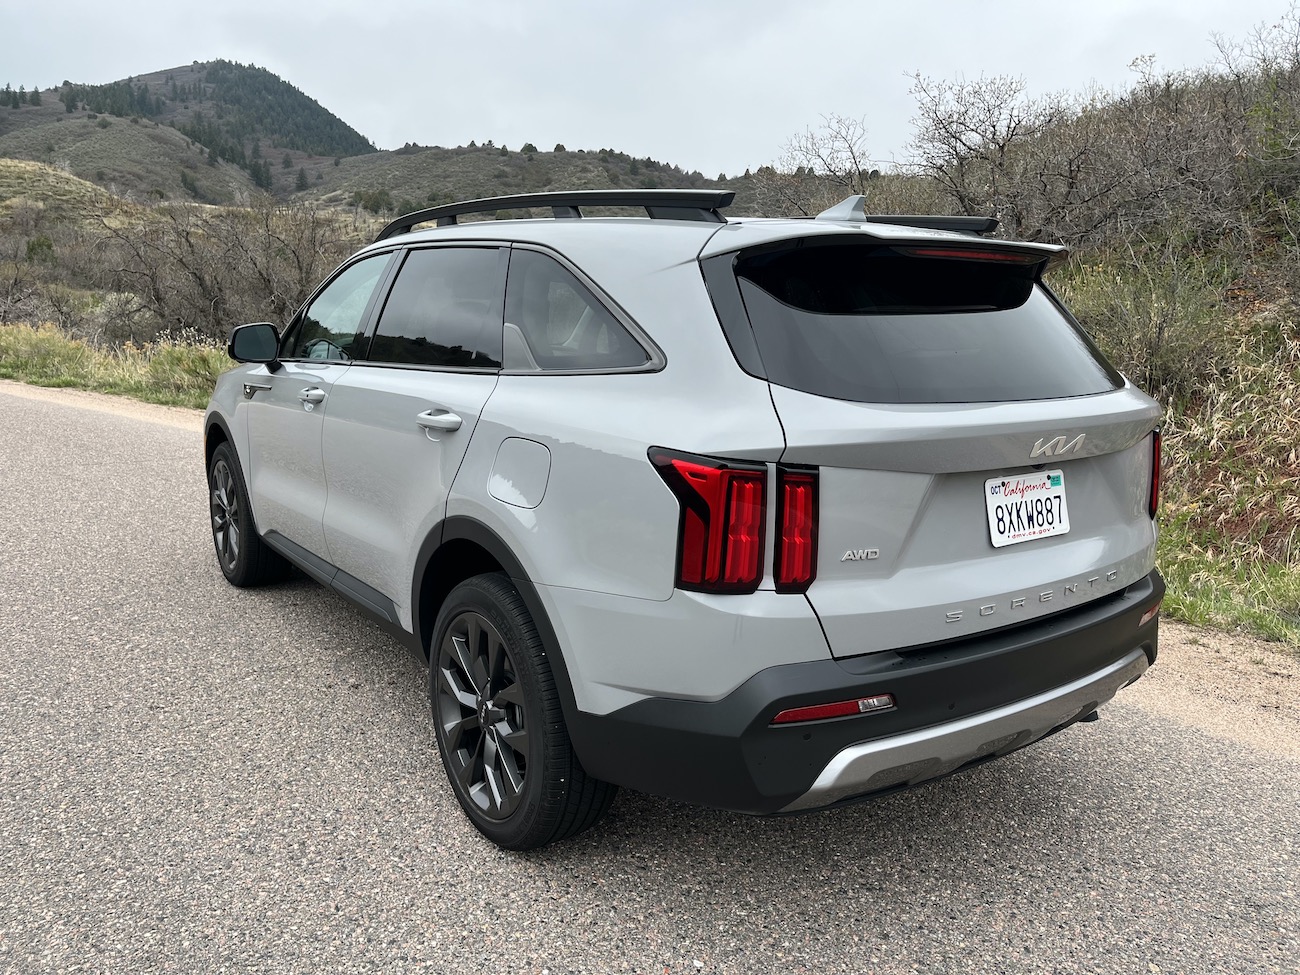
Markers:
(171, 373)
(1232, 491)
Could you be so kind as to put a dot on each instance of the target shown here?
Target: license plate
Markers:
(1026, 506)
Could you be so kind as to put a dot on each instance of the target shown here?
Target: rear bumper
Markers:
(957, 704)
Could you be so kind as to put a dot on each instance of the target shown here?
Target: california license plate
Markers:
(1026, 506)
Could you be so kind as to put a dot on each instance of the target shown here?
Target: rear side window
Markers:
(555, 323)
(913, 324)
(444, 309)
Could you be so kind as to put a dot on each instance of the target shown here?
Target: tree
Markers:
(287, 162)
(817, 169)
(559, 147)
(528, 147)
(22, 96)
(302, 182)
(34, 98)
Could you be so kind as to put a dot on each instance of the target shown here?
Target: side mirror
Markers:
(259, 342)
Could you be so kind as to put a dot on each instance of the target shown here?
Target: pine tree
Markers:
(302, 183)
(287, 163)
(35, 97)
(22, 96)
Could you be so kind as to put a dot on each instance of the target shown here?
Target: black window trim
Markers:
(656, 359)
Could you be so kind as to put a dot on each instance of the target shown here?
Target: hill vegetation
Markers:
(1178, 196)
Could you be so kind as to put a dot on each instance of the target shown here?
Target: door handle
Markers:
(312, 395)
(438, 419)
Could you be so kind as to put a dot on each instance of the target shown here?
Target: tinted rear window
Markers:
(886, 324)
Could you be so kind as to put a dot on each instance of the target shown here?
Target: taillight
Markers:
(1153, 502)
(795, 560)
(724, 510)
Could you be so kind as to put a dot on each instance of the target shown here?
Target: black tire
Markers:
(244, 558)
(500, 730)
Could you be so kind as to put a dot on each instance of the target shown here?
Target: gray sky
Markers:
(714, 86)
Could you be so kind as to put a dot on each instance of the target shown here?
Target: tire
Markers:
(245, 560)
(498, 721)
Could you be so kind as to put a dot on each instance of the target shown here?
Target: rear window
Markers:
(913, 324)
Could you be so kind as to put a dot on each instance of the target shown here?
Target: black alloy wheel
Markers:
(499, 722)
(244, 558)
(481, 711)
(225, 515)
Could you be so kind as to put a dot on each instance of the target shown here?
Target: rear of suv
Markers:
(766, 515)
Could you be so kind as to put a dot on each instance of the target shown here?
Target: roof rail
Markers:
(658, 204)
(853, 209)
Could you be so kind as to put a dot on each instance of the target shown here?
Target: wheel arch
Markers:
(215, 433)
(459, 548)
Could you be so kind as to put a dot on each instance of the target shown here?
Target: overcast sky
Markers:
(714, 86)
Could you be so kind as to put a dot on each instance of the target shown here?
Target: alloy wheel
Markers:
(481, 713)
(225, 515)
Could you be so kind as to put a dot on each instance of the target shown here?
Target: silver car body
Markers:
(554, 466)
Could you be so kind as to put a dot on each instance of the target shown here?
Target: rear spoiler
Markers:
(853, 209)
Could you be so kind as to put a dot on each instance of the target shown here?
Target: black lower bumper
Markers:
(727, 754)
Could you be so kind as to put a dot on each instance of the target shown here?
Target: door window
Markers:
(444, 309)
(332, 326)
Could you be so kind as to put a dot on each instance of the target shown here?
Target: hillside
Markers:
(213, 132)
(135, 157)
(221, 132)
(417, 176)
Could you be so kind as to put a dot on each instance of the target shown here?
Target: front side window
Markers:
(444, 309)
(559, 323)
(332, 326)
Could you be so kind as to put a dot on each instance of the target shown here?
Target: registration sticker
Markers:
(1023, 507)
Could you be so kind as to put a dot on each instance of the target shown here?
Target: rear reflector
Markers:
(723, 515)
(840, 709)
(1153, 504)
(795, 562)
(1149, 615)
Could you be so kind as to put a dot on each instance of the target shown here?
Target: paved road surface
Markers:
(195, 779)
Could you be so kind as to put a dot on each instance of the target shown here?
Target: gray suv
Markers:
(761, 514)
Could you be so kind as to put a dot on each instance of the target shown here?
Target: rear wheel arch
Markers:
(460, 548)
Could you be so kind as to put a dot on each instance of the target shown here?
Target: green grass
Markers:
(1211, 585)
(170, 373)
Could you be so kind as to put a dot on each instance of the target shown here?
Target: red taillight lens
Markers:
(1153, 503)
(795, 563)
(724, 510)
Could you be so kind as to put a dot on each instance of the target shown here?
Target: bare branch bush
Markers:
(817, 169)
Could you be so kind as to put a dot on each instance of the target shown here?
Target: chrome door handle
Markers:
(313, 395)
(438, 419)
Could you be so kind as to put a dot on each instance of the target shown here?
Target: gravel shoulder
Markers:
(1230, 685)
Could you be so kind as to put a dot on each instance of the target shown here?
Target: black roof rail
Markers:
(979, 226)
(658, 204)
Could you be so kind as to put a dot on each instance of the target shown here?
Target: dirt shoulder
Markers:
(174, 416)
(1231, 686)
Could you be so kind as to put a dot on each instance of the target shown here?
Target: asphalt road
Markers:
(199, 779)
